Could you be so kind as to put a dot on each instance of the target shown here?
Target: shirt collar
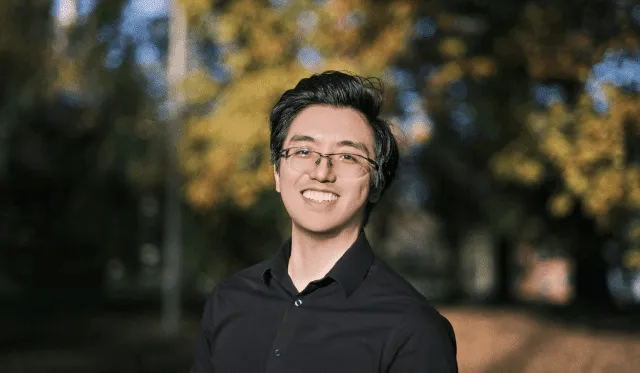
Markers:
(348, 272)
(277, 265)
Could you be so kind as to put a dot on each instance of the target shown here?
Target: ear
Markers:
(276, 176)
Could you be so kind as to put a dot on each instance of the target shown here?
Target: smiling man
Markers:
(325, 302)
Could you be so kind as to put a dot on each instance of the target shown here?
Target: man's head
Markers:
(331, 113)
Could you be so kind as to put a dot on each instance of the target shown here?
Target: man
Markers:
(325, 302)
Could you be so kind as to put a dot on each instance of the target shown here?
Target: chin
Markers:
(323, 226)
(318, 227)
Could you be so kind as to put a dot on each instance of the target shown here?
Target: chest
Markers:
(300, 337)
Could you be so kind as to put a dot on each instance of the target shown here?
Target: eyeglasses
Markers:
(346, 165)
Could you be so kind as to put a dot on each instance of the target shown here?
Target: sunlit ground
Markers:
(493, 341)
(489, 341)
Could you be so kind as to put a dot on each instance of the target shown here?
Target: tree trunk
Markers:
(172, 251)
(67, 13)
(504, 272)
(66, 17)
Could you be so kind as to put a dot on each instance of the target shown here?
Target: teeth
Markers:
(319, 196)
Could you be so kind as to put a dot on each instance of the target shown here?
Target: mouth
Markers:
(319, 196)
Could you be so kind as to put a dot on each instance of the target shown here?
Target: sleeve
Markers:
(424, 342)
(204, 342)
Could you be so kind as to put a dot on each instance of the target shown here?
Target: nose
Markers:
(323, 171)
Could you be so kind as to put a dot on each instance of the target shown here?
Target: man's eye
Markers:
(303, 152)
(348, 158)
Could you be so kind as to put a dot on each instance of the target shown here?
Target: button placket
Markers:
(284, 336)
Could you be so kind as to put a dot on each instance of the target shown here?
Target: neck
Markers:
(314, 254)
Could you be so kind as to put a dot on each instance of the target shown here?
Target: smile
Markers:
(317, 196)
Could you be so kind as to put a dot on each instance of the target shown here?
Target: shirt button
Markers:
(298, 302)
(277, 352)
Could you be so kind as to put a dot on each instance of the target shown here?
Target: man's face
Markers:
(326, 129)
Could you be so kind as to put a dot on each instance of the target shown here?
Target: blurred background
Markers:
(134, 170)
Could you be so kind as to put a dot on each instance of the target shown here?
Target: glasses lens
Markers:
(346, 166)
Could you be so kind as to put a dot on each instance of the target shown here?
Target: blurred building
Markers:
(623, 277)
(544, 277)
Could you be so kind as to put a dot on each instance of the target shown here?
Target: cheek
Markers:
(360, 190)
(288, 186)
(288, 193)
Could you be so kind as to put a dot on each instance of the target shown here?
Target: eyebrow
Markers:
(348, 143)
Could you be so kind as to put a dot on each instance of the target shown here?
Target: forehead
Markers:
(331, 125)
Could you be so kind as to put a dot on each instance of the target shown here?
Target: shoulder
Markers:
(247, 279)
(417, 314)
(395, 287)
(230, 293)
(421, 338)
(423, 341)
(424, 329)
(425, 319)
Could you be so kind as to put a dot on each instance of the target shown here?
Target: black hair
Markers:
(338, 89)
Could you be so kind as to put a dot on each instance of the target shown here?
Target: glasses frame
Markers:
(285, 153)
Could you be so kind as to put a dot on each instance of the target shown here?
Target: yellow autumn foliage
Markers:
(561, 204)
(225, 153)
(195, 8)
(480, 67)
(452, 47)
(569, 141)
(199, 87)
(587, 150)
(449, 73)
(584, 148)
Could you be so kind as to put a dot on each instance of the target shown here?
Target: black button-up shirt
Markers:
(361, 317)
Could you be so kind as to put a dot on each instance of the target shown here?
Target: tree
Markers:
(263, 51)
(73, 127)
(516, 92)
(172, 272)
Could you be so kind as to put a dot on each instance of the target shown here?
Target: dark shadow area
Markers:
(118, 336)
